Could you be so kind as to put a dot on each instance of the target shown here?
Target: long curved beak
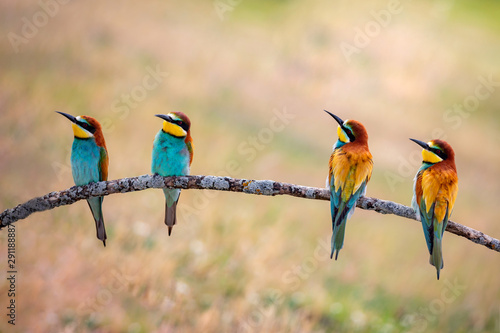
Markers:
(70, 117)
(421, 144)
(164, 117)
(340, 121)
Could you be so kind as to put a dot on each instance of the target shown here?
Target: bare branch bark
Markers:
(258, 187)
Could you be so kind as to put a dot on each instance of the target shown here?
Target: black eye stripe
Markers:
(439, 153)
(349, 133)
(182, 124)
(86, 126)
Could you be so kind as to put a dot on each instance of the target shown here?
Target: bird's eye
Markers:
(439, 153)
(350, 134)
(88, 127)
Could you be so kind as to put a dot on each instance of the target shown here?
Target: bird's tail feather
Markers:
(436, 258)
(171, 199)
(95, 205)
(101, 230)
(170, 216)
(338, 239)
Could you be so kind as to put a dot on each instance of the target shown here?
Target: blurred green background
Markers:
(254, 77)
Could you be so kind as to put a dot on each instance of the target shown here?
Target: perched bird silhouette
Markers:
(350, 170)
(172, 156)
(434, 193)
(89, 162)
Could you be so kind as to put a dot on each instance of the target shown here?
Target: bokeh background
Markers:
(254, 77)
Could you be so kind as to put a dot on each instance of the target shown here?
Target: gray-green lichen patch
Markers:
(221, 183)
(157, 181)
(208, 182)
(262, 187)
(142, 182)
(215, 183)
(97, 189)
(123, 185)
(182, 181)
(113, 187)
(310, 193)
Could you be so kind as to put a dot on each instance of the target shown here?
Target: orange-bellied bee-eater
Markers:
(435, 191)
(172, 156)
(89, 162)
(351, 167)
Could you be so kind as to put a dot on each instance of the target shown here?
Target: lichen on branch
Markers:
(256, 187)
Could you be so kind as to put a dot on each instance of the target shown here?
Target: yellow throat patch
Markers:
(80, 132)
(430, 157)
(342, 136)
(174, 129)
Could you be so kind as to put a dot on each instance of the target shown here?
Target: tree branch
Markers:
(258, 187)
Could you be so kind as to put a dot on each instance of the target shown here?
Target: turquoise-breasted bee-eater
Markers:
(351, 167)
(172, 156)
(89, 162)
(434, 193)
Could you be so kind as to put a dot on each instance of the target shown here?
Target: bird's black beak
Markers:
(340, 121)
(164, 117)
(421, 144)
(70, 117)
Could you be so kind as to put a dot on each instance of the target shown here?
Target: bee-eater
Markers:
(172, 156)
(351, 167)
(89, 162)
(434, 194)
